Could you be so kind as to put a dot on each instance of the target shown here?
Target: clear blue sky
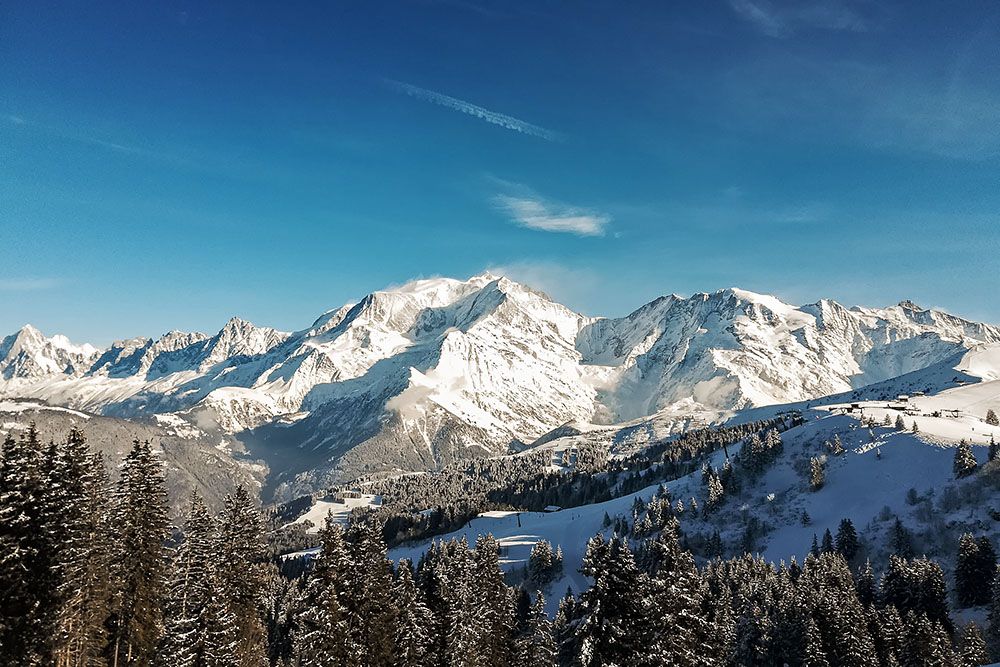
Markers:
(170, 164)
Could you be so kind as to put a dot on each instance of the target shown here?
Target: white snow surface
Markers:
(868, 477)
(339, 510)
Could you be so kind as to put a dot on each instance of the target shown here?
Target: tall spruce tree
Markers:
(371, 609)
(415, 622)
(85, 587)
(615, 625)
(965, 461)
(242, 573)
(28, 573)
(537, 648)
(195, 618)
(972, 647)
(139, 560)
(321, 634)
(847, 540)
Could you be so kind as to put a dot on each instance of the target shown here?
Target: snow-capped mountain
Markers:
(412, 377)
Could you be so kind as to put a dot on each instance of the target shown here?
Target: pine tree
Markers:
(970, 587)
(85, 589)
(993, 629)
(994, 449)
(813, 654)
(415, 623)
(28, 588)
(241, 573)
(679, 600)
(991, 418)
(614, 627)
(371, 612)
(321, 634)
(847, 540)
(817, 473)
(836, 447)
(972, 647)
(140, 524)
(715, 493)
(537, 647)
(901, 541)
(493, 603)
(865, 585)
(886, 629)
(900, 424)
(191, 586)
(925, 643)
(828, 545)
(965, 460)
(540, 563)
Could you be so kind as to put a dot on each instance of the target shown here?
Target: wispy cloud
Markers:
(27, 284)
(74, 136)
(534, 212)
(782, 21)
(468, 108)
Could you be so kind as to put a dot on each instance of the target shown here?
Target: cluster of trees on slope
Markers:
(458, 493)
(87, 579)
(650, 605)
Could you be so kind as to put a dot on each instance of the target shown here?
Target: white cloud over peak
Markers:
(530, 210)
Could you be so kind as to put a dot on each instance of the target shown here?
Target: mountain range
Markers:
(415, 377)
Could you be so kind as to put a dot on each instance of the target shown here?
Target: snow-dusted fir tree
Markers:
(817, 473)
(322, 634)
(540, 562)
(414, 624)
(190, 625)
(847, 540)
(139, 515)
(536, 647)
(965, 460)
(972, 646)
(975, 570)
(241, 572)
(28, 585)
(615, 613)
(85, 553)
(372, 612)
(493, 606)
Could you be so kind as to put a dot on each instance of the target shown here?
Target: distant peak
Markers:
(906, 304)
(30, 330)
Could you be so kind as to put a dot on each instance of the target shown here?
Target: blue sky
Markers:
(167, 165)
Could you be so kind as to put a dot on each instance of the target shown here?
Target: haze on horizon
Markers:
(169, 166)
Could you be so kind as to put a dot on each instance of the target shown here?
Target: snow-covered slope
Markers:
(735, 349)
(412, 377)
(870, 484)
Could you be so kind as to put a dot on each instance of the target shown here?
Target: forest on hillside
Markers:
(92, 573)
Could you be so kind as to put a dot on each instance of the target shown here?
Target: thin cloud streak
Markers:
(470, 109)
(777, 22)
(27, 284)
(534, 212)
(79, 138)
